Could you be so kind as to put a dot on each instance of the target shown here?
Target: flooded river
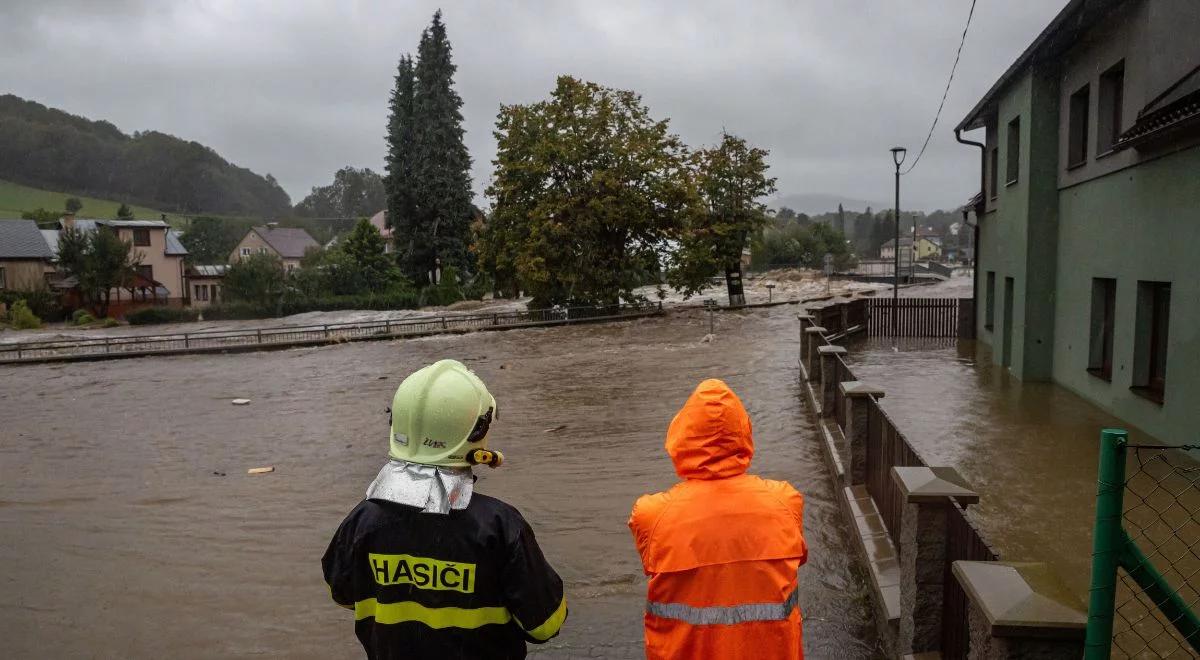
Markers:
(129, 528)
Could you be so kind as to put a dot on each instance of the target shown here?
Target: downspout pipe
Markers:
(978, 216)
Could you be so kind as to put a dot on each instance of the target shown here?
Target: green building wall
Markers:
(1140, 223)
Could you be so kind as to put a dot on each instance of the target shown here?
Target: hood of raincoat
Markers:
(710, 437)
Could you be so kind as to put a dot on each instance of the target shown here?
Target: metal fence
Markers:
(914, 317)
(278, 336)
(1146, 552)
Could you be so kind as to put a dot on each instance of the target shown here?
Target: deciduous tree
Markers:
(99, 261)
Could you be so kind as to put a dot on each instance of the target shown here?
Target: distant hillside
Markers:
(51, 149)
(16, 199)
(815, 203)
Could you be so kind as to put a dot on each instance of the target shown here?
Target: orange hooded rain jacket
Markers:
(722, 548)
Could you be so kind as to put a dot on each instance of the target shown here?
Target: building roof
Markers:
(21, 239)
(135, 223)
(380, 222)
(51, 236)
(289, 242)
(1175, 108)
(904, 240)
(175, 244)
(1076, 17)
(208, 271)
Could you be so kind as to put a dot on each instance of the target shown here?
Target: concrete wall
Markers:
(1137, 224)
(25, 274)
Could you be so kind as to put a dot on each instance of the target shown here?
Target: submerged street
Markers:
(132, 529)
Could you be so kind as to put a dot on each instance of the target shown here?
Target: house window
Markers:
(1112, 96)
(141, 237)
(1078, 137)
(262, 250)
(212, 289)
(2, 284)
(1014, 151)
(146, 271)
(1100, 346)
(1150, 348)
(201, 292)
(989, 312)
(994, 172)
(245, 252)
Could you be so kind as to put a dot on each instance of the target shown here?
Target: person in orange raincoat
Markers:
(722, 547)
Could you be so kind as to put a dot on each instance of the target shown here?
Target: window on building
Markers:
(1100, 346)
(2, 280)
(245, 252)
(262, 250)
(201, 292)
(1112, 95)
(141, 236)
(146, 271)
(212, 290)
(1078, 137)
(1150, 348)
(993, 173)
(1013, 155)
(989, 312)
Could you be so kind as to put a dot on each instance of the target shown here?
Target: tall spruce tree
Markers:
(441, 165)
(398, 182)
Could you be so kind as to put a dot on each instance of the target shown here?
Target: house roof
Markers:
(1076, 17)
(1172, 110)
(21, 239)
(289, 242)
(175, 244)
(51, 236)
(208, 271)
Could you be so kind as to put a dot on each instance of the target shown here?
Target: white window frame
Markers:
(245, 252)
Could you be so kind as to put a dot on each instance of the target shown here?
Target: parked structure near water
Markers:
(1087, 231)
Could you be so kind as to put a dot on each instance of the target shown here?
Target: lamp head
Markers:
(898, 154)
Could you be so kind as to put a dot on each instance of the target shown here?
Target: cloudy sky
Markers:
(299, 88)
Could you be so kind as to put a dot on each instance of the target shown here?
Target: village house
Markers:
(26, 261)
(160, 273)
(379, 220)
(289, 244)
(204, 284)
(1087, 221)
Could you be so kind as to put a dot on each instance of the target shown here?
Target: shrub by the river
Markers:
(22, 318)
(401, 299)
(109, 322)
(81, 317)
(153, 315)
(42, 302)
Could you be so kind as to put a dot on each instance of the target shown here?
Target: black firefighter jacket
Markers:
(469, 584)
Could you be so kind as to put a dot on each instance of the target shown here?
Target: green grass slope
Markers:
(16, 198)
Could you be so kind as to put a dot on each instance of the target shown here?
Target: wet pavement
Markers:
(129, 528)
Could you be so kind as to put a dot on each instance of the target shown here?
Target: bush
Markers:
(399, 299)
(22, 318)
(42, 302)
(153, 315)
(445, 292)
(81, 317)
(109, 322)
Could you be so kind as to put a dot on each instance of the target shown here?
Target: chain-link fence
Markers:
(1146, 564)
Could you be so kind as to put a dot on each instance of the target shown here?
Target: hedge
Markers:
(153, 315)
(42, 302)
(378, 301)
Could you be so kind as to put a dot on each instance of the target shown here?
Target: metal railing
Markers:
(204, 340)
(914, 317)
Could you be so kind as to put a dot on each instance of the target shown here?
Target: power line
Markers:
(947, 91)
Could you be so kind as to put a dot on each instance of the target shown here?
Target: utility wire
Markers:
(946, 92)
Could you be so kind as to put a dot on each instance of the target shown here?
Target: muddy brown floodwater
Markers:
(129, 527)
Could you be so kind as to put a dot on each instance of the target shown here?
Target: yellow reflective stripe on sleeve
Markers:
(434, 617)
(551, 626)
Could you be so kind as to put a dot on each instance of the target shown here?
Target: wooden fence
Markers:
(914, 317)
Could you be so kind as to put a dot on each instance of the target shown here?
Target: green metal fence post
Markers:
(1159, 591)
(1106, 544)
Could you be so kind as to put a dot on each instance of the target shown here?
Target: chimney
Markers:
(68, 221)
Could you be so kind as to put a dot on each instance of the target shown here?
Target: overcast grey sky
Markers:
(299, 88)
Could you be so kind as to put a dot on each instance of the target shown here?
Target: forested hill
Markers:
(49, 148)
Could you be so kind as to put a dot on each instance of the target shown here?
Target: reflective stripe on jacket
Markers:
(722, 548)
(472, 583)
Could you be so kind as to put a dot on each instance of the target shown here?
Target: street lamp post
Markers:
(898, 154)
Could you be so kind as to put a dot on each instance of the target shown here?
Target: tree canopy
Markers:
(354, 193)
(99, 261)
(589, 189)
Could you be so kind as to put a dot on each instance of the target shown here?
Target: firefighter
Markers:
(722, 547)
(430, 568)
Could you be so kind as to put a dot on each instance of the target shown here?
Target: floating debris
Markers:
(241, 402)
(556, 428)
(261, 470)
(708, 338)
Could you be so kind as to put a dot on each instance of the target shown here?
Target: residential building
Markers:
(26, 262)
(1087, 226)
(924, 249)
(380, 222)
(160, 273)
(204, 284)
(288, 243)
